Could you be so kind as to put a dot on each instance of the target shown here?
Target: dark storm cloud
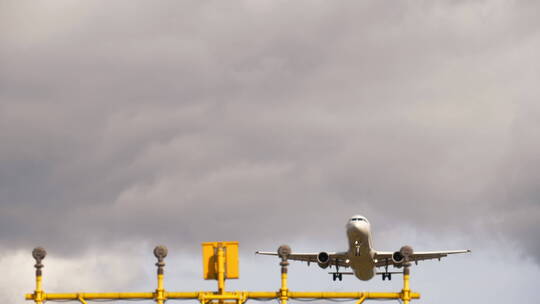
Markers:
(187, 122)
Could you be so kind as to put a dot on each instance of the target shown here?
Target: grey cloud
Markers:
(179, 123)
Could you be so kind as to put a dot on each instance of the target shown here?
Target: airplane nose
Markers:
(362, 226)
(359, 226)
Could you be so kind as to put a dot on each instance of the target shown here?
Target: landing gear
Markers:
(337, 276)
(386, 274)
(356, 248)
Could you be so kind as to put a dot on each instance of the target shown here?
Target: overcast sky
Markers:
(126, 124)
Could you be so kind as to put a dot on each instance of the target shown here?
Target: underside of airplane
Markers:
(361, 258)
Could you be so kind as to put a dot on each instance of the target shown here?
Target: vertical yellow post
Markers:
(221, 268)
(284, 290)
(160, 252)
(39, 254)
(406, 292)
(39, 291)
(283, 252)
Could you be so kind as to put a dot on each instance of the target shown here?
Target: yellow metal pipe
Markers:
(160, 281)
(208, 295)
(39, 281)
(160, 292)
(343, 295)
(221, 269)
(38, 299)
(284, 281)
(94, 296)
(262, 294)
(406, 292)
(183, 295)
(81, 299)
(361, 300)
(284, 292)
(227, 295)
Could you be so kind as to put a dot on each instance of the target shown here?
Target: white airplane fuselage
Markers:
(360, 253)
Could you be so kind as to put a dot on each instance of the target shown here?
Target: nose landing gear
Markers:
(357, 248)
(386, 274)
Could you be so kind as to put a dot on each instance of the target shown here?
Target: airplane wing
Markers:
(385, 257)
(336, 258)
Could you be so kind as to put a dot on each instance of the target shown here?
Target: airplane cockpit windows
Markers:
(358, 219)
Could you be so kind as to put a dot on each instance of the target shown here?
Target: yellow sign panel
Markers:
(210, 260)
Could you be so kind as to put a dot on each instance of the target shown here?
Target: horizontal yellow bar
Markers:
(185, 295)
(94, 296)
(226, 295)
(344, 295)
(263, 294)
(218, 296)
(349, 295)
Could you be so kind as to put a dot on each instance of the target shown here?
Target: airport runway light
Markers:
(160, 252)
(39, 253)
(283, 252)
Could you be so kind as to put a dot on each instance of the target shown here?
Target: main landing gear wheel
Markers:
(387, 275)
(337, 276)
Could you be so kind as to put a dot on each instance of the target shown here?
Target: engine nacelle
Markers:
(399, 257)
(323, 259)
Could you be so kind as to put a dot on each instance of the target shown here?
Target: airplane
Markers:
(361, 257)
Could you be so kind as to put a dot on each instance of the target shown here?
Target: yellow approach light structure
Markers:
(220, 262)
(211, 255)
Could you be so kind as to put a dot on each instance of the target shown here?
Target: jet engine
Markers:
(323, 259)
(400, 256)
(397, 257)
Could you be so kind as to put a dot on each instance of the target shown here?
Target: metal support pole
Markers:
(39, 254)
(283, 252)
(160, 252)
(406, 251)
(81, 299)
(362, 299)
(221, 269)
(406, 292)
